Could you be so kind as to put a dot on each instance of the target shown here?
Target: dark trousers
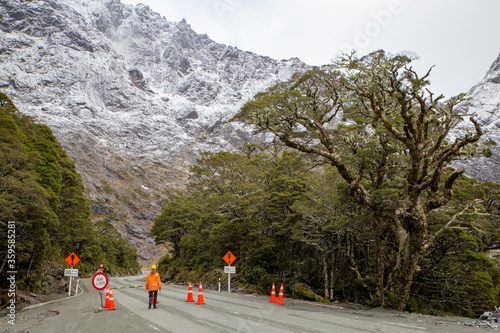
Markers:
(153, 296)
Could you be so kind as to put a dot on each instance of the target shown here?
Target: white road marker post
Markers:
(219, 284)
(77, 283)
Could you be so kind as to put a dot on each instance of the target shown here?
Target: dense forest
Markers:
(42, 194)
(355, 200)
(289, 220)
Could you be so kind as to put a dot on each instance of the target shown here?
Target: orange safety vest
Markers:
(153, 282)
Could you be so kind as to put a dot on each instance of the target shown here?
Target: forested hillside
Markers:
(42, 194)
(372, 212)
(289, 220)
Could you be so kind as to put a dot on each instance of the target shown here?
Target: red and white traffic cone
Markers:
(111, 301)
(200, 295)
(280, 296)
(190, 293)
(273, 295)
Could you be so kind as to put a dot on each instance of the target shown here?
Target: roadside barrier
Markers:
(143, 286)
(127, 287)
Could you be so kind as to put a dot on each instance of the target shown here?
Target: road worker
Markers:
(153, 284)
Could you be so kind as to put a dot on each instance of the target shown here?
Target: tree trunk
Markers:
(31, 262)
(415, 226)
(404, 285)
(332, 277)
(325, 276)
(4, 261)
(380, 279)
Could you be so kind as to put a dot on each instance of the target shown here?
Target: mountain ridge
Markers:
(133, 97)
(483, 100)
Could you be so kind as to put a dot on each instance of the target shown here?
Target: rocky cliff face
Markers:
(484, 101)
(131, 96)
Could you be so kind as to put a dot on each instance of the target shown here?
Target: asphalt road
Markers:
(223, 312)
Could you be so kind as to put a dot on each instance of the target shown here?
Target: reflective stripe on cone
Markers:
(111, 300)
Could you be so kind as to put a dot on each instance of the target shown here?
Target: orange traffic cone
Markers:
(190, 293)
(273, 295)
(111, 301)
(200, 295)
(106, 304)
(280, 296)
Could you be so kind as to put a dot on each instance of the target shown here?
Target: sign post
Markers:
(100, 282)
(69, 289)
(229, 258)
(72, 260)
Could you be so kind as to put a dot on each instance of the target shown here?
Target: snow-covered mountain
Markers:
(484, 101)
(131, 96)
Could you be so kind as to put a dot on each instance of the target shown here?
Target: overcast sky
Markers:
(459, 37)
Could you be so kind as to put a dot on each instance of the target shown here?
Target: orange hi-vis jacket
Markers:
(153, 282)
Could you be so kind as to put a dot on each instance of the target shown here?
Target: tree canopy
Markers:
(288, 218)
(41, 192)
(374, 119)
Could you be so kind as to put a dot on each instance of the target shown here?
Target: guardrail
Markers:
(128, 287)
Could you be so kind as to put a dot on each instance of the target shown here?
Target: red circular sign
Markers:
(99, 281)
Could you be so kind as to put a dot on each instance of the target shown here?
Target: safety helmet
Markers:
(153, 267)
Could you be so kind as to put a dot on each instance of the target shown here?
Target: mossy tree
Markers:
(392, 150)
(289, 219)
